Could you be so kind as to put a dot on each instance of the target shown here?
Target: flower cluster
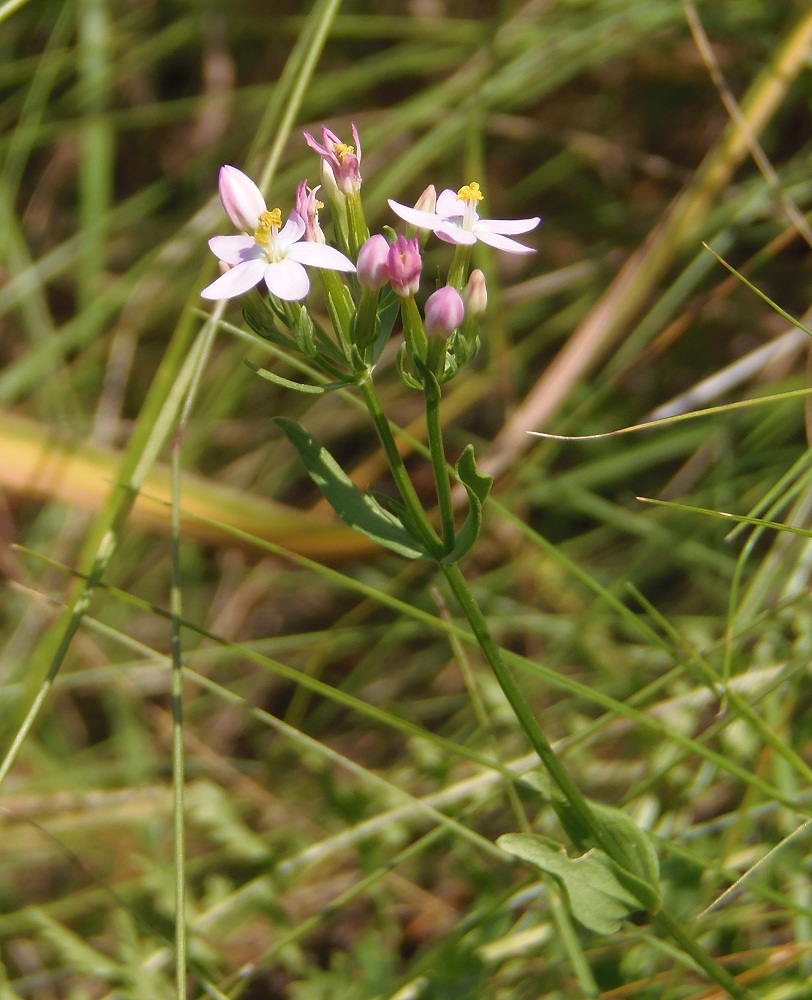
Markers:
(276, 255)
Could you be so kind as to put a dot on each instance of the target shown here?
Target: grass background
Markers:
(340, 808)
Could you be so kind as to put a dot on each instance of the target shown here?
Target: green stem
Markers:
(458, 272)
(398, 469)
(667, 924)
(675, 930)
(356, 224)
(438, 462)
(413, 332)
(178, 760)
(524, 714)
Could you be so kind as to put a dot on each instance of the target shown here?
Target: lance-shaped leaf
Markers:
(286, 383)
(357, 509)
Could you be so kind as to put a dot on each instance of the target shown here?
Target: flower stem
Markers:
(438, 462)
(524, 714)
(661, 920)
(399, 472)
(675, 930)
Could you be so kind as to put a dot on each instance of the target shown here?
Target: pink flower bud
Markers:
(241, 198)
(404, 265)
(444, 311)
(475, 294)
(372, 265)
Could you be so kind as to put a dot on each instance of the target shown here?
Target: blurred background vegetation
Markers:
(319, 861)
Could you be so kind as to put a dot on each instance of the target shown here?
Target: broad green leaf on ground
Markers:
(595, 895)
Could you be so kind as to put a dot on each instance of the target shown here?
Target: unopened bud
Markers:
(328, 182)
(404, 265)
(427, 202)
(475, 294)
(444, 311)
(372, 265)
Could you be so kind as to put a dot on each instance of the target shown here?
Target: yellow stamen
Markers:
(267, 221)
(341, 149)
(470, 192)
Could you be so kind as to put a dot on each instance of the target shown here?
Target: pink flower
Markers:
(456, 221)
(307, 208)
(271, 253)
(343, 160)
(404, 265)
(444, 311)
(372, 265)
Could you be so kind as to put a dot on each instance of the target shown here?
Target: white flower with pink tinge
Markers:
(456, 221)
(272, 253)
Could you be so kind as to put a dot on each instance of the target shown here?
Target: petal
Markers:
(503, 243)
(449, 205)
(241, 198)
(236, 281)
(423, 220)
(287, 279)
(314, 145)
(292, 231)
(320, 255)
(357, 141)
(454, 234)
(507, 227)
(235, 249)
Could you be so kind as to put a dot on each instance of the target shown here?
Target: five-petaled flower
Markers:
(342, 159)
(271, 252)
(455, 220)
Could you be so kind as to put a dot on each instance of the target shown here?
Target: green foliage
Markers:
(596, 895)
(359, 510)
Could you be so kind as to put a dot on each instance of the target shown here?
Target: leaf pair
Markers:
(369, 516)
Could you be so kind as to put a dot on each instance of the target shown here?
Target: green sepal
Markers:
(477, 485)
(401, 359)
(260, 320)
(303, 330)
(286, 383)
(596, 896)
(388, 312)
(361, 511)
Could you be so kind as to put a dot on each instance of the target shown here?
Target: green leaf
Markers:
(287, 383)
(596, 896)
(357, 509)
(477, 486)
(640, 872)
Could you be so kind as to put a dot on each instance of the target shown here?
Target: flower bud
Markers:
(427, 202)
(475, 294)
(241, 198)
(307, 207)
(404, 264)
(444, 311)
(372, 264)
(329, 185)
